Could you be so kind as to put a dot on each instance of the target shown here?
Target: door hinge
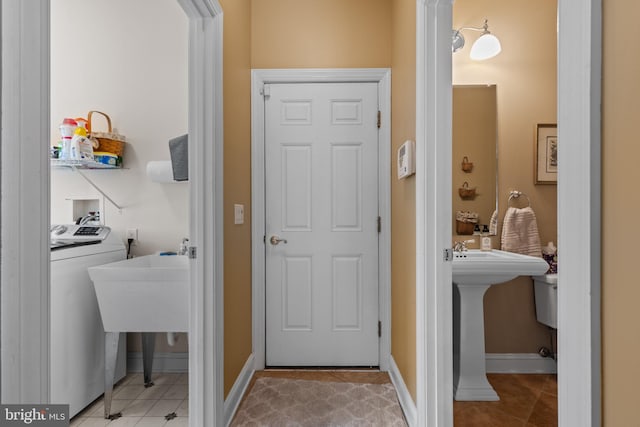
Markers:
(379, 329)
(265, 91)
(379, 224)
(192, 252)
(264, 239)
(448, 254)
(379, 119)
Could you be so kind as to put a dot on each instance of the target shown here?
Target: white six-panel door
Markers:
(321, 188)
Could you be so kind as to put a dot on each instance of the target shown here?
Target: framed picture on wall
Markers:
(546, 158)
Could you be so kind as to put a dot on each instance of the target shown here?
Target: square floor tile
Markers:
(183, 409)
(138, 408)
(125, 422)
(177, 391)
(154, 392)
(178, 422)
(95, 422)
(152, 422)
(166, 378)
(129, 391)
(163, 407)
(183, 378)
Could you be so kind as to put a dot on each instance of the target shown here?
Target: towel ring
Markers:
(515, 194)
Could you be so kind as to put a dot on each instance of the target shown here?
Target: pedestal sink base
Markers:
(473, 273)
(476, 389)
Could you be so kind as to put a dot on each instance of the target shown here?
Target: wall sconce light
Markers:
(487, 46)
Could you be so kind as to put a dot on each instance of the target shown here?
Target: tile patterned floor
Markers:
(526, 400)
(142, 407)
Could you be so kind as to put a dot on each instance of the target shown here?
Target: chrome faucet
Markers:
(91, 216)
(459, 246)
(183, 247)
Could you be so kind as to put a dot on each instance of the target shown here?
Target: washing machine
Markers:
(77, 335)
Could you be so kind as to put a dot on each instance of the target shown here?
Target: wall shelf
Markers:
(80, 165)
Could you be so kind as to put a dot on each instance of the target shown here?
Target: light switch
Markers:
(238, 214)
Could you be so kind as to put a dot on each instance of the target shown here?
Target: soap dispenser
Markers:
(485, 239)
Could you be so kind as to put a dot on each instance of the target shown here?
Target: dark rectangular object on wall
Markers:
(179, 150)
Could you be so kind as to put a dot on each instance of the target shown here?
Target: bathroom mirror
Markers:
(475, 154)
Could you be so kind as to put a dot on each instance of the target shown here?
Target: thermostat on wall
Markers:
(406, 161)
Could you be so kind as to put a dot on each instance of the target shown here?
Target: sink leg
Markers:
(148, 347)
(469, 364)
(111, 340)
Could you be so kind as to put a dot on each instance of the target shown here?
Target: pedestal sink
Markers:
(474, 272)
(146, 294)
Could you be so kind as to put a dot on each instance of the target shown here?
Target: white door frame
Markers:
(259, 78)
(25, 257)
(579, 73)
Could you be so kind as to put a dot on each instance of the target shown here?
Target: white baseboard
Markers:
(238, 390)
(162, 362)
(404, 397)
(519, 363)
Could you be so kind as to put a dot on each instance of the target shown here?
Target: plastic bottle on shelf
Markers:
(81, 147)
(67, 129)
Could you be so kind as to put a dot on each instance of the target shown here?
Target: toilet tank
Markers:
(546, 297)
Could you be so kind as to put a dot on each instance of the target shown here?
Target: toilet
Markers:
(546, 297)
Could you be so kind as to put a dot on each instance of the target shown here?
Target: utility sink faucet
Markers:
(183, 247)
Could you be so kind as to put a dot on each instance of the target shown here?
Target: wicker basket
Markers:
(467, 166)
(465, 192)
(108, 141)
(464, 228)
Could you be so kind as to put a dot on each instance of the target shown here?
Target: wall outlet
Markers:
(132, 233)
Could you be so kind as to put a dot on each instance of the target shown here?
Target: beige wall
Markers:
(237, 187)
(403, 192)
(620, 174)
(525, 75)
(320, 33)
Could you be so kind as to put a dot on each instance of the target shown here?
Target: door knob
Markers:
(276, 239)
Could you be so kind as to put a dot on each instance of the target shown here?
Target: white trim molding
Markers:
(239, 388)
(434, 289)
(206, 324)
(519, 363)
(404, 397)
(579, 186)
(579, 179)
(382, 76)
(24, 257)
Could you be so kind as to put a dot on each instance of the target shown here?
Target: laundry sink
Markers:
(491, 267)
(144, 294)
(474, 271)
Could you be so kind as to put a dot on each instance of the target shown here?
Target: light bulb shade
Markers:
(487, 46)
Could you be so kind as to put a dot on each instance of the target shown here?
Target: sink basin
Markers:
(492, 267)
(144, 294)
(474, 272)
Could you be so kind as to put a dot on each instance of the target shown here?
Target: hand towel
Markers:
(520, 232)
(493, 223)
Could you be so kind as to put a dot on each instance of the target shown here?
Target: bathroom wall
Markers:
(620, 234)
(118, 57)
(403, 192)
(237, 187)
(525, 75)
